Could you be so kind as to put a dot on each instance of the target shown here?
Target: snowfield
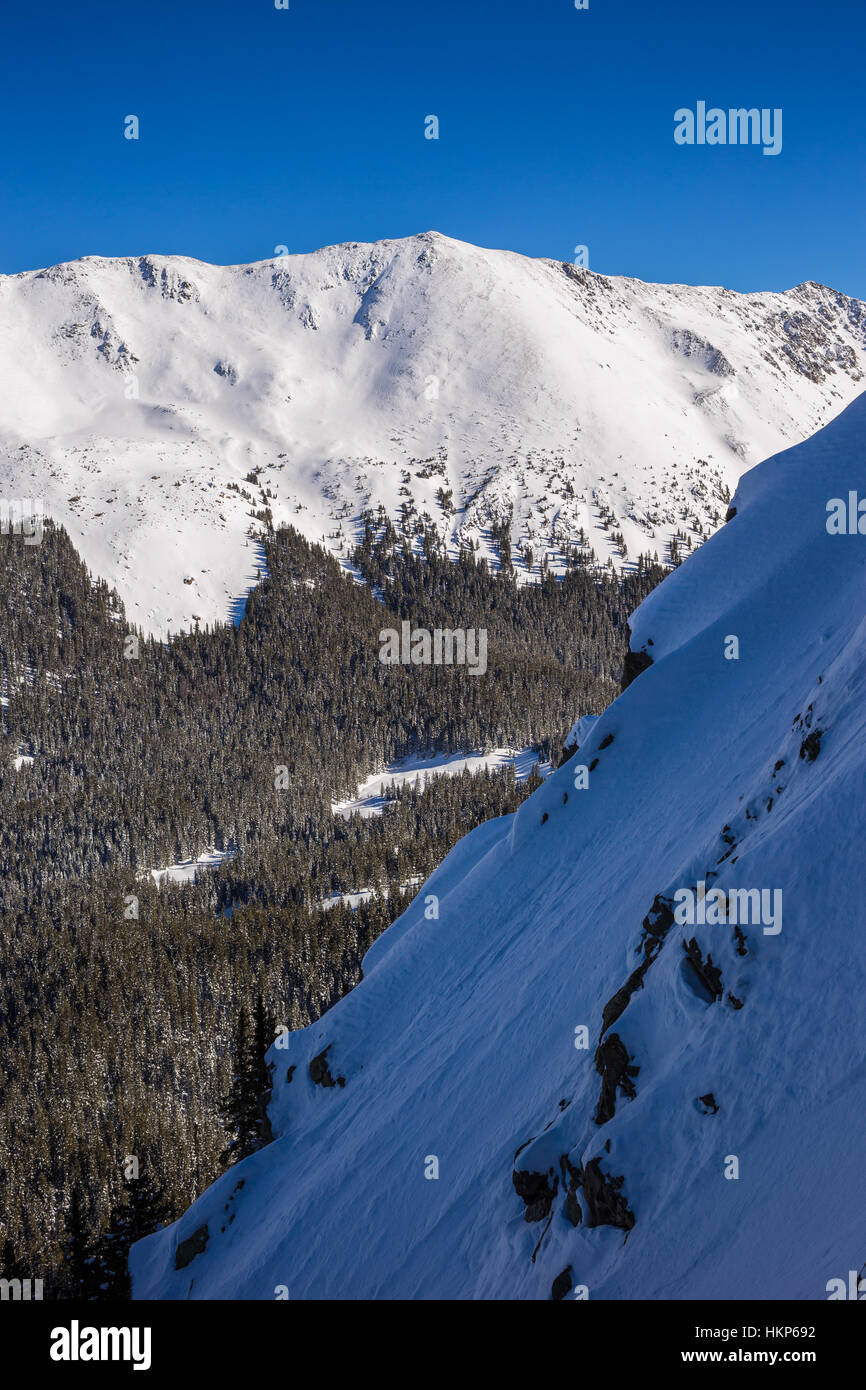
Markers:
(186, 871)
(713, 1146)
(372, 795)
(157, 404)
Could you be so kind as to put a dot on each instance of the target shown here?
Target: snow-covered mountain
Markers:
(472, 385)
(442, 1132)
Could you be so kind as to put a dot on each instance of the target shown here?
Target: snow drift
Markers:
(709, 1141)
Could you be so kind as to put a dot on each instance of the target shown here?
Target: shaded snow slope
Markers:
(471, 384)
(460, 1041)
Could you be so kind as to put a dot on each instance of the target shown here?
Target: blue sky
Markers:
(262, 127)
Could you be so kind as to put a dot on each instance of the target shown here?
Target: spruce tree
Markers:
(237, 1110)
(141, 1210)
(260, 1073)
(79, 1265)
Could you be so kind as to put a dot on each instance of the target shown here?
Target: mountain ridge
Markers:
(173, 405)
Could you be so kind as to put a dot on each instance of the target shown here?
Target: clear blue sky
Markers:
(261, 127)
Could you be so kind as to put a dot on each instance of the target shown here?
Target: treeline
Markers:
(120, 1001)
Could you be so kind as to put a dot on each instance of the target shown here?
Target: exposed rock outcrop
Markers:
(320, 1072)
(193, 1245)
(537, 1192)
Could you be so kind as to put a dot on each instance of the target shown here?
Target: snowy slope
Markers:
(136, 391)
(460, 1041)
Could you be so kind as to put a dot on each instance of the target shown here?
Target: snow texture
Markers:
(459, 1043)
(140, 393)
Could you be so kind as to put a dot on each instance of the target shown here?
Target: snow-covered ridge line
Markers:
(161, 405)
(549, 1086)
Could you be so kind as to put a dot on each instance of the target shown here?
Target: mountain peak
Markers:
(477, 388)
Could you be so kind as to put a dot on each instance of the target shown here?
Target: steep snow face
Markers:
(470, 385)
(731, 1105)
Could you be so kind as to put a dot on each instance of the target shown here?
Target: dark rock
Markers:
(536, 1192)
(189, 1248)
(525, 1145)
(811, 745)
(561, 1285)
(709, 1101)
(570, 1172)
(660, 918)
(708, 975)
(572, 1209)
(606, 1206)
(612, 1062)
(730, 514)
(656, 925)
(266, 1133)
(571, 1181)
(619, 1002)
(320, 1072)
(606, 741)
(634, 664)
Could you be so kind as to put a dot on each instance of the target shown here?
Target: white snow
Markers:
(374, 794)
(140, 392)
(185, 872)
(363, 895)
(580, 730)
(459, 1041)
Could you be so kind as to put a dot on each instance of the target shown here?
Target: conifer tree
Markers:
(236, 1111)
(141, 1210)
(78, 1254)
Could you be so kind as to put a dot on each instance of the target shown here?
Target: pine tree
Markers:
(260, 1073)
(78, 1254)
(236, 1113)
(141, 1210)
(112, 1252)
(10, 1266)
(244, 1110)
